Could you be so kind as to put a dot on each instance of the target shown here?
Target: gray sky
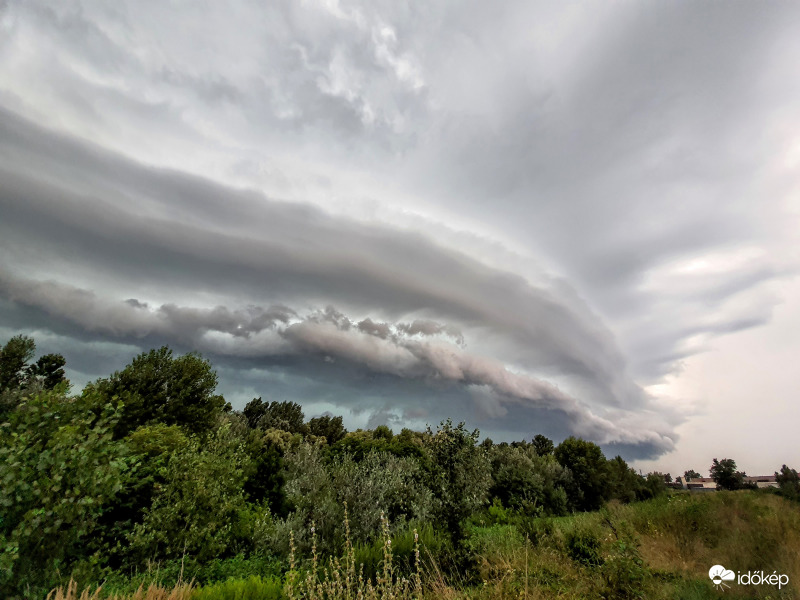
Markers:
(559, 218)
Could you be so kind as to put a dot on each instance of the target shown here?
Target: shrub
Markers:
(252, 588)
(583, 546)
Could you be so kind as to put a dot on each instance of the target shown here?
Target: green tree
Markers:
(691, 474)
(589, 471)
(286, 416)
(654, 485)
(459, 475)
(198, 509)
(725, 475)
(624, 483)
(331, 428)
(160, 388)
(788, 483)
(515, 481)
(264, 478)
(59, 467)
(380, 483)
(542, 445)
(49, 370)
(14, 359)
(152, 447)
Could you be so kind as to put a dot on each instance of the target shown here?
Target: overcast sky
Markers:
(559, 218)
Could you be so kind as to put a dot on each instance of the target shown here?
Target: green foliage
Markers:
(624, 483)
(542, 445)
(436, 547)
(380, 484)
(583, 546)
(252, 588)
(331, 428)
(286, 416)
(159, 388)
(200, 506)
(169, 573)
(59, 466)
(311, 499)
(691, 474)
(264, 473)
(152, 447)
(382, 432)
(515, 481)
(341, 579)
(789, 483)
(589, 470)
(654, 486)
(49, 371)
(358, 444)
(725, 475)
(14, 359)
(459, 475)
(624, 572)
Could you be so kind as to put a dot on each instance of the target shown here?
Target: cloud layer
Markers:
(534, 211)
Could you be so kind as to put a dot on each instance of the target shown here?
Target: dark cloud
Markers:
(353, 195)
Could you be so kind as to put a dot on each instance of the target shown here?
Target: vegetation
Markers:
(149, 482)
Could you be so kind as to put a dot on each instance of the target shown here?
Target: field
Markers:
(661, 548)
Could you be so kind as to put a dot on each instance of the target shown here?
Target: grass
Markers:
(659, 549)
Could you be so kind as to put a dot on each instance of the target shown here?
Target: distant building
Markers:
(762, 481)
(706, 484)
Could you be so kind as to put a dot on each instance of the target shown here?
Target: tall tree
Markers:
(287, 416)
(589, 469)
(14, 359)
(160, 388)
(331, 428)
(542, 444)
(49, 370)
(725, 475)
(460, 474)
(788, 482)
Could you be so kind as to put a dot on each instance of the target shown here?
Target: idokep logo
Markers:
(719, 575)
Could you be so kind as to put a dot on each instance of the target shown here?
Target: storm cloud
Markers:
(531, 215)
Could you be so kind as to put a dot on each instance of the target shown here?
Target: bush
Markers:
(252, 588)
(583, 546)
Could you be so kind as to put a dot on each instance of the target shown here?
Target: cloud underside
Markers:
(354, 204)
(267, 270)
(278, 334)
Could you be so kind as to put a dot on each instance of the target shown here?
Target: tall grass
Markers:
(341, 579)
(659, 549)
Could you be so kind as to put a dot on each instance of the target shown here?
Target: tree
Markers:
(459, 475)
(160, 388)
(542, 444)
(199, 508)
(264, 474)
(59, 468)
(515, 481)
(691, 474)
(624, 483)
(589, 470)
(14, 359)
(331, 428)
(725, 475)
(49, 370)
(788, 482)
(286, 416)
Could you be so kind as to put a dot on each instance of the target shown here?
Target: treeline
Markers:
(150, 466)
